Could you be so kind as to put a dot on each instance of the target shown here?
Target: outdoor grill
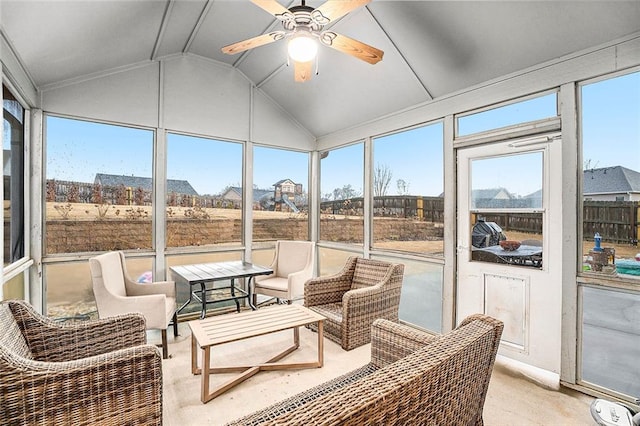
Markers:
(485, 234)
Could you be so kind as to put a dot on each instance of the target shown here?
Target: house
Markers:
(611, 184)
(285, 194)
(232, 198)
(492, 198)
(182, 187)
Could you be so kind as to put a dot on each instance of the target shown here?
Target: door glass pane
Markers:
(204, 191)
(506, 191)
(408, 191)
(341, 206)
(99, 186)
(280, 195)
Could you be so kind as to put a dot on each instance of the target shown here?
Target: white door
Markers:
(505, 190)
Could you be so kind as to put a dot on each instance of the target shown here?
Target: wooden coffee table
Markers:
(228, 328)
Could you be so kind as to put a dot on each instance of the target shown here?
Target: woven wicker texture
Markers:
(444, 382)
(98, 372)
(351, 300)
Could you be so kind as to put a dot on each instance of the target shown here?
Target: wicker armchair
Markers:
(98, 372)
(414, 378)
(351, 300)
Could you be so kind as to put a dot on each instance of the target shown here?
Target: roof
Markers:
(609, 180)
(258, 194)
(432, 49)
(281, 181)
(173, 185)
(491, 194)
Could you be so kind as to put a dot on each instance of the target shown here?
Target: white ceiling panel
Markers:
(228, 22)
(58, 40)
(453, 45)
(432, 48)
(348, 90)
(180, 24)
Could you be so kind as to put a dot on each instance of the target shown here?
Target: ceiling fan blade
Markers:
(302, 71)
(351, 47)
(241, 46)
(334, 9)
(272, 6)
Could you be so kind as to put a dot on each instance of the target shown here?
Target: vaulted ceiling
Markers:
(431, 48)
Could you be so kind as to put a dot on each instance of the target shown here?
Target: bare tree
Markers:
(96, 194)
(589, 164)
(381, 178)
(402, 186)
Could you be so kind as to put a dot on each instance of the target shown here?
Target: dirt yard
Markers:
(59, 275)
(90, 212)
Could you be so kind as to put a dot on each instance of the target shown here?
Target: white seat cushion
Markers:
(275, 283)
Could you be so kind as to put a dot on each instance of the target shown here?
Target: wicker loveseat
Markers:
(98, 372)
(352, 299)
(413, 379)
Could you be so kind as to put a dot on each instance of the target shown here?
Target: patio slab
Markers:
(512, 397)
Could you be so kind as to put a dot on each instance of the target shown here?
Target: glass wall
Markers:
(331, 261)
(610, 118)
(341, 192)
(536, 108)
(13, 173)
(280, 195)
(98, 187)
(408, 191)
(204, 191)
(609, 252)
(70, 289)
(610, 332)
(98, 198)
(421, 298)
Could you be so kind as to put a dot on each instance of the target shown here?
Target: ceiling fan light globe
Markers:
(302, 48)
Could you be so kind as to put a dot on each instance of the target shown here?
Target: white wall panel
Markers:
(205, 98)
(273, 126)
(11, 67)
(575, 67)
(129, 96)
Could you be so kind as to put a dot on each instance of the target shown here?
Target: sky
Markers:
(77, 150)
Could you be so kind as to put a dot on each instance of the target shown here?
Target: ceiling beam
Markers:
(267, 30)
(196, 27)
(163, 27)
(404, 58)
(271, 75)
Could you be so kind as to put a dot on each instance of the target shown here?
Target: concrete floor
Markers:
(512, 399)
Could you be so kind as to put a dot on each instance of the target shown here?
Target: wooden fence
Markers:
(82, 192)
(615, 221)
(430, 209)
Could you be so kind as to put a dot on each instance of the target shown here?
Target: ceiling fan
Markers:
(304, 25)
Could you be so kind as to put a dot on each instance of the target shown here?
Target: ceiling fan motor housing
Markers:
(304, 16)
